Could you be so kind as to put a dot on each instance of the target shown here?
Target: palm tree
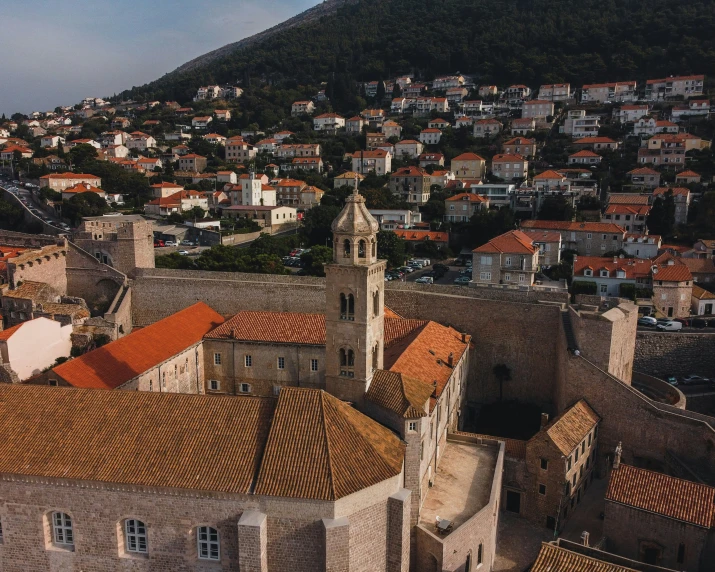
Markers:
(502, 372)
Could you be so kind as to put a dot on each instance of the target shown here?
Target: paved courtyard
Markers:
(518, 543)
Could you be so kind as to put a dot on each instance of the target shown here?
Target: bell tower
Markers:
(355, 303)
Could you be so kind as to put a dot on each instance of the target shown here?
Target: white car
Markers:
(424, 280)
(170, 243)
(670, 327)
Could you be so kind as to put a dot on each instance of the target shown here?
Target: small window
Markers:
(62, 533)
(412, 426)
(568, 464)
(576, 456)
(209, 546)
(681, 553)
(583, 447)
(542, 489)
(53, 382)
(217, 359)
(135, 536)
(480, 551)
(214, 385)
(1, 536)
(244, 388)
(276, 390)
(281, 363)
(248, 361)
(422, 451)
(314, 365)
(544, 464)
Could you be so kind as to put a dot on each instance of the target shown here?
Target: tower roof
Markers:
(355, 219)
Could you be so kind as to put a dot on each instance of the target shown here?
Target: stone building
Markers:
(586, 238)
(124, 242)
(659, 519)
(511, 258)
(672, 289)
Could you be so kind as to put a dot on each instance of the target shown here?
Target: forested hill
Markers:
(503, 41)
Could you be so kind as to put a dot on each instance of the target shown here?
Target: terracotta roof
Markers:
(569, 429)
(468, 157)
(698, 292)
(376, 154)
(661, 494)
(543, 235)
(573, 226)
(187, 441)
(7, 334)
(673, 273)
(415, 235)
(69, 176)
(699, 265)
(584, 153)
(116, 363)
(399, 393)
(471, 197)
(551, 174)
(410, 172)
(643, 171)
(510, 242)
(321, 448)
(633, 267)
(628, 199)
(628, 209)
(82, 188)
(687, 173)
(73, 310)
(520, 141)
(390, 313)
(553, 558)
(589, 140)
(30, 290)
(505, 158)
(677, 191)
(273, 327)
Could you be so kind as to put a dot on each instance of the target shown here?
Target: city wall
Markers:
(675, 353)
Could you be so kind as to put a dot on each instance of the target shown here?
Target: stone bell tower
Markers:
(355, 301)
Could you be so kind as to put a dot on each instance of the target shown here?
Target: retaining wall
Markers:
(675, 353)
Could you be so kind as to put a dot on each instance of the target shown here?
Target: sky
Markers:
(57, 52)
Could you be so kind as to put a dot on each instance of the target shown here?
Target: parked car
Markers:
(670, 326)
(441, 267)
(683, 321)
(647, 321)
(462, 280)
(184, 252)
(186, 243)
(671, 380)
(170, 243)
(694, 380)
(699, 323)
(406, 269)
(159, 243)
(424, 280)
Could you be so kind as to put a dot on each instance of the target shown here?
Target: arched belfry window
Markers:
(375, 352)
(346, 248)
(362, 249)
(374, 248)
(376, 303)
(347, 362)
(347, 307)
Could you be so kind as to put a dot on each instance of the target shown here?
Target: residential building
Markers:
(302, 108)
(644, 177)
(538, 109)
(201, 122)
(549, 244)
(413, 236)
(355, 124)
(177, 203)
(630, 217)
(431, 159)
(584, 157)
(226, 177)
(304, 164)
(61, 181)
(630, 113)
(409, 148)
(447, 82)
(672, 289)
(464, 121)
(286, 151)
(193, 162)
(79, 188)
(520, 146)
(441, 177)
(702, 302)
(455, 95)
(51, 141)
(399, 105)
(468, 166)
(578, 124)
(215, 138)
(693, 108)
(378, 160)
(283, 135)
(681, 197)
(390, 219)
(609, 274)
(586, 238)
(411, 184)
(328, 122)
(462, 207)
(511, 258)
(239, 151)
(487, 91)
(472, 107)
(375, 140)
(523, 126)
(207, 92)
(430, 136)
(510, 167)
(663, 150)
(555, 92)
(392, 129)
(687, 177)
(486, 127)
(596, 143)
(516, 94)
(254, 191)
(550, 181)
(651, 126)
(310, 196)
(223, 114)
(609, 92)
(271, 217)
(350, 179)
(642, 245)
(288, 191)
(374, 117)
(162, 190)
(678, 86)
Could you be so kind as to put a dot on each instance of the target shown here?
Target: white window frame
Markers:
(244, 388)
(62, 530)
(248, 360)
(604, 288)
(281, 362)
(507, 277)
(588, 272)
(217, 359)
(485, 260)
(522, 277)
(208, 543)
(214, 385)
(313, 365)
(135, 536)
(412, 426)
(507, 261)
(485, 275)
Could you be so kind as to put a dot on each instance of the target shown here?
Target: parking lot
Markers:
(447, 278)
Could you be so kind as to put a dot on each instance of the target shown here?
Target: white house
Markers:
(328, 122)
(430, 136)
(32, 346)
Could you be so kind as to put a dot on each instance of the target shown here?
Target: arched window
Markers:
(208, 543)
(374, 248)
(375, 352)
(347, 307)
(346, 248)
(347, 362)
(62, 533)
(376, 303)
(361, 249)
(135, 536)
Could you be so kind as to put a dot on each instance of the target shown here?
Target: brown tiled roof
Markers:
(116, 363)
(699, 265)
(628, 199)
(554, 558)
(36, 291)
(74, 310)
(7, 334)
(673, 273)
(321, 448)
(185, 441)
(643, 171)
(513, 241)
(399, 393)
(658, 493)
(702, 294)
(569, 429)
(573, 226)
(273, 327)
(681, 191)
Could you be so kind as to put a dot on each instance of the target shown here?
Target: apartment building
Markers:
(555, 92)
(674, 86)
(510, 167)
(511, 258)
(624, 91)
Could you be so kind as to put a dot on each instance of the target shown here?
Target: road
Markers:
(685, 330)
(24, 194)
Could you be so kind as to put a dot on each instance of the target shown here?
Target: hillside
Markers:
(502, 41)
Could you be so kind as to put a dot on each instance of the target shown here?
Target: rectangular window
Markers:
(485, 275)
(1, 538)
(681, 553)
(214, 385)
(217, 359)
(522, 278)
(62, 529)
(244, 388)
(412, 426)
(542, 489)
(583, 447)
(507, 261)
(589, 439)
(314, 365)
(544, 464)
(576, 457)
(507, 277)
(281, 363)
(248, 361)
(568, 464)
(480, 551)
(485, 260)
(135, 532)
(276, 390)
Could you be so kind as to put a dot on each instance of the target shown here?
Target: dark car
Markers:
(699, 323)
(441, 267)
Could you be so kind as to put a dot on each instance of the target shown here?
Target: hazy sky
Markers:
(56, 52)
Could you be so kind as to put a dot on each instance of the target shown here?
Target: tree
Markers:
(661, 218)
(317, 224)
(391, 247)
(82, 154)
(82, 205)
(486, 224)
(556, 208)
(380, 95)
(502, 372)
(314, 260)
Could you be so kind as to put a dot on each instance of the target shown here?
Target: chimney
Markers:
(450, 359)
(233, 333)
(615, 260)
(584, 536)
(617, 456)
(544, 420)
(464, 338)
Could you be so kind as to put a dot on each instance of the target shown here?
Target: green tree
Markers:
(81, 155)
(556, 208)
(661, 218)
(316, 224)
(82, 205)
(391, 247)
(315, 259)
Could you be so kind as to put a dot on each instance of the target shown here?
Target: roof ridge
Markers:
(331, 472)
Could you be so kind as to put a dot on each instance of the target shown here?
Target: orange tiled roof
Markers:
(699, 265)
(520, 141)
(584, 153)
(628, 199)
(506, 158)
(569, 429)
(322, 448)
(628, 209)
(551, 174)
(399, 393)
(673, 273)
(661, 494)
(471, 197)
(677, 191)
(589, 140)
(274, 327)
(116, 363)
(414, 235)
(69, 176)
(633, 267)
(573, 226)
(7, 334)
(643, 171)
(699, 293)
(553, 558)
(468, 157)
(687, 173)
(513, 241)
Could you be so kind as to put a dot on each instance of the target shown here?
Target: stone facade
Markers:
(672, 299)
(662, 354)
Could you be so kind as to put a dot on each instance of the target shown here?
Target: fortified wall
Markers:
(679, 354)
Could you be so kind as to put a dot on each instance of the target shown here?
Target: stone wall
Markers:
(88, 278)
(675, 353)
